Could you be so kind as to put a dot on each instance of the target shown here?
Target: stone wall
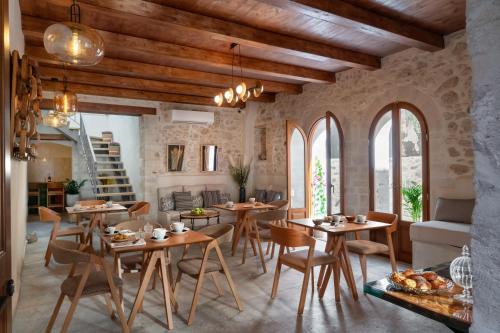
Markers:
(157, 132)
(483, 30)
(436, 83)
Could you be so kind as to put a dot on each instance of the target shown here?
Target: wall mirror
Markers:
(209, 158)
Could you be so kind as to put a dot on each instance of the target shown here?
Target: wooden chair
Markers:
(256, 234)
(366, 247)
(140, 208)
(96, 279)
(190, 266)
(55, 195)
(48, 215)
(303, 260)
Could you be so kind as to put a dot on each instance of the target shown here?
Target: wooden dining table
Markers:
(154, 256)
(336, 246)
(241, 210)
(97, 213)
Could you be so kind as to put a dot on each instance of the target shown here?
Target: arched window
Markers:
(399, 165)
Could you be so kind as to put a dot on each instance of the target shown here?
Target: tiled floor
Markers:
(40, 288)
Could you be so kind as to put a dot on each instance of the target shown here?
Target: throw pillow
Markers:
(211, 198)
(454, 210)
(271, 196)
(198, 201)
(166, 204)
(260, 195)
(224, 197)
(183, 200)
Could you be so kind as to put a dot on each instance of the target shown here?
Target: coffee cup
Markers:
(177, 226)
(110, 230)
(159, 233)
(360, 218)
(337, 218)
(229, 204)
(251, 200)
(109, 204)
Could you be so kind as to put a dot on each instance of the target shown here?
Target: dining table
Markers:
(154, 257)
(336, 246)
(241, 210)
(98, 215)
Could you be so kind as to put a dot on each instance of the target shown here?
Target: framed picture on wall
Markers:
(175, 157)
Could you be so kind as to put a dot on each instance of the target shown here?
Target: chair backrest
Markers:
(55, 186)
(280, 204)
(138, 209)
(48, 215)
(66, 252)
(290, 237)
(271, 215)
(135, 225)
(91, 202)
(223, 233)
(385, 218)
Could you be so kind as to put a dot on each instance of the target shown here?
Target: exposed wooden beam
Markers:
(53, 137)
(351, 16)
(86, 107)
(130, 93)
(121, 44)
(135, 15)
(161, 73)
(96, 79)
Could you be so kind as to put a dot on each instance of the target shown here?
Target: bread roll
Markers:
(410, 283)
(430, 276)
(409, 272)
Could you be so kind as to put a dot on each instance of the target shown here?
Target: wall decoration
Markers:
(175, 157)
(25, 112)
(209, 158)
(260, 143)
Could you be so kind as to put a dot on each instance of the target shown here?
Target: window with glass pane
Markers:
(318, 170)
(335, 166)
(383, 161)
(411, 166)
(298, 172)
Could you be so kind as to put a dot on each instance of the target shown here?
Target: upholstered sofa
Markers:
(167, 212)
(268, 195)
(441, 240)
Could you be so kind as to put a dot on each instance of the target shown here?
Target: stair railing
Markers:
(88, 153)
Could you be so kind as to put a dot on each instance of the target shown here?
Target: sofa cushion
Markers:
(183, 201)
(260, 195)
(210, 198)
(439, 232)
(454, 210)
(198, 201)
(166, 204)
(224, 197)
(273, 196)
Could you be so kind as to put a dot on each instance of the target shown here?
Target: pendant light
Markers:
(52, 119)
(65, 102)
(74, 43)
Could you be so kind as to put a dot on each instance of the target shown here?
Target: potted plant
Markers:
(72, 189)
(412, 196)
(240, 173)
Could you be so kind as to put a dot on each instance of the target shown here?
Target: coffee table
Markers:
(442, 308)
(207, 216)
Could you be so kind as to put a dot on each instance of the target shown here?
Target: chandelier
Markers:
(72, 42)
(65, 106)
(240, 92)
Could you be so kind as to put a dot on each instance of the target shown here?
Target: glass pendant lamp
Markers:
(65, 102)
(53, 119)
(74, 43)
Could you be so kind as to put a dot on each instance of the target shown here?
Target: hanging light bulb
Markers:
(246, 96)
(52, 119)
(259, 89)
(74, 43)
(229, 95)
(219, 99)
(235, 100)
(65, 102)
(241, 89)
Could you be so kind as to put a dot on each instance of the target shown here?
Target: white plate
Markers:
(186, 229)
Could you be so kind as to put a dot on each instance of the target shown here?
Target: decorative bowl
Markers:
(350, 218)
(318, 222)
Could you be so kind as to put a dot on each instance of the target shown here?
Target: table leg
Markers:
(349, 267)
(242, 215)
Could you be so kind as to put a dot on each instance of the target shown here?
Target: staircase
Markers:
(111, 180)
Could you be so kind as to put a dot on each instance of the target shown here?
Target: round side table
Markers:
(209, 214)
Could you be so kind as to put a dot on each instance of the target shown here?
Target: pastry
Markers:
(410, 283)
(438, 283)
(424, 286)
(409, 272)
(430, 276)
(398, 277)
(418, 278)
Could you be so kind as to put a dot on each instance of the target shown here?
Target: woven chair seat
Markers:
(96, 284)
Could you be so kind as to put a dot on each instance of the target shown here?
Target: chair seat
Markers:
(131, 262)
(264, 234)
(70, 231)
(96, 284)
(366, 247)
(263, 224)
(191, 266)
(299, 258)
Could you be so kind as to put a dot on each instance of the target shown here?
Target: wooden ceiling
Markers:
(178, 50)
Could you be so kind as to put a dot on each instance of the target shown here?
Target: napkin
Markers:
(140, 242)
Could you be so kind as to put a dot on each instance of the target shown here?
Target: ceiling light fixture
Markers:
(65, 102)
(240, 92)
(72, 42)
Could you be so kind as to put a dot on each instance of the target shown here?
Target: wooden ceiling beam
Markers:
(96, 79)
(351, 16)
(130, 93)
(120, 44)
(161, 73)
(101, 108)
(136, 14)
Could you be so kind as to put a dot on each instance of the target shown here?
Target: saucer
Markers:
(109, 233)
(159, 240)
(186, 229)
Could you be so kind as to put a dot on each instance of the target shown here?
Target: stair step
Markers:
(109, 162)
(112, 177)
(111, 170)
(106, 155)
(100, 149)
(113, 185)
(114, 194)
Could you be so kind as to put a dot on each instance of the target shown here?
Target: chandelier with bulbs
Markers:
(72, 42)
(241, 92)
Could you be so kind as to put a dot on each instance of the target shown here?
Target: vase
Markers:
(243, 194)
(461, 274)
(71, 199)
